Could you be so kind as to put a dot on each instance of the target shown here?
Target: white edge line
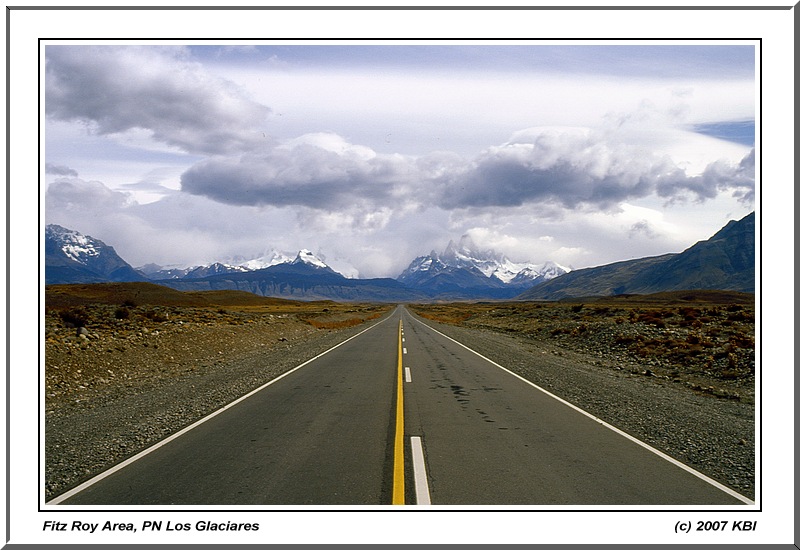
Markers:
(408, 374)
(88, 483)
(666, 457)
(420, 475)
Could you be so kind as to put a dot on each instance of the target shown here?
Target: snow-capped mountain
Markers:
(272, 258)
(538, 272)
(464, 269)
(71, 257)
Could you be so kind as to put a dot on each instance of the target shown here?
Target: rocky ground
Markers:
(121, 376)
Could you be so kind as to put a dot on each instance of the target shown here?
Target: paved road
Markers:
(401, 414)
(491, 438)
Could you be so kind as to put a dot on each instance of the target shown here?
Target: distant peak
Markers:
(307, 257)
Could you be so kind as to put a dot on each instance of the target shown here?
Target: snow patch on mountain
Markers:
(270, 258)
(305, 256)
(72, 257)
(74, 245)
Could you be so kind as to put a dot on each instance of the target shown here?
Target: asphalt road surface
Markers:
(400, 414)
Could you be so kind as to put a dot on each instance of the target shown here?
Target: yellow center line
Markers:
(399, 487)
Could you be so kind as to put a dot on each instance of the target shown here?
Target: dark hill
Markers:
(726, 261)
(70, 295)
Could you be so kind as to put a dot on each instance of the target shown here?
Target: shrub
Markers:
(75, 317)
(689, 313)
(740, 340)
(741, 316)
(580, 329)
(122, 313)
(652, 318)
(624, 339)
(155, 316)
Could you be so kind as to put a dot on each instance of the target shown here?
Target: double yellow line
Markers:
(399, 485)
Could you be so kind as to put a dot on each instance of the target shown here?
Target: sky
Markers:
(372, 155)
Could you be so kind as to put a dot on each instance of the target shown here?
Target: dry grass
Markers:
(344, 320)
(100, 304)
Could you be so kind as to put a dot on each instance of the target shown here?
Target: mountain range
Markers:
(462, 271)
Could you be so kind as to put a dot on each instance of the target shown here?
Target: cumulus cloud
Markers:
(114, 90)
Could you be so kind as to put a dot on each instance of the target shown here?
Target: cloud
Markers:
(717, 176)
(319, 171)
(75, 194)
(580, 167)
(642, 228)
(156, 89)
(563, 167)
(57, 170)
